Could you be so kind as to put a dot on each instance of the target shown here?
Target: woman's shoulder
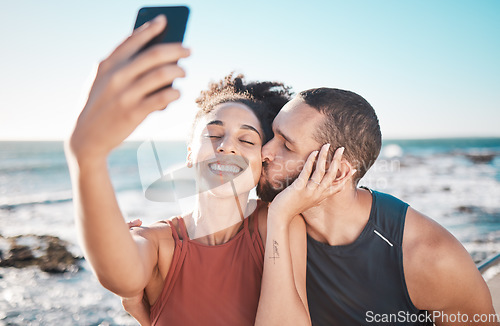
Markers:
(159, 232)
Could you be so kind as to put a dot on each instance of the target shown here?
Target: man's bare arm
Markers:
(441, 276)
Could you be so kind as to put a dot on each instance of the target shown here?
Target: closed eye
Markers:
(246, 141)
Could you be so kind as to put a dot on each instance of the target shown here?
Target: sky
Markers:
(429, 68)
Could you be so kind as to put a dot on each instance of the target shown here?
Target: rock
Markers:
(47, 252)
(467, 209)
(481, 157)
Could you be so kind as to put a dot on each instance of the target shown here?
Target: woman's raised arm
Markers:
(125, 91)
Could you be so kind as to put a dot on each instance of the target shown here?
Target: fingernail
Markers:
(142, 27)
(158, 19)
(342, 150)
(354, 171)
(327, 145)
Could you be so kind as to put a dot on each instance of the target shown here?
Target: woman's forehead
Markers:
(234, 113)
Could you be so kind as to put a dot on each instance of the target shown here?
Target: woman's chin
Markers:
(229, 187)
(227, 190)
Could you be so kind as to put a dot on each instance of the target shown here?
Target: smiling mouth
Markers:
(219, 168)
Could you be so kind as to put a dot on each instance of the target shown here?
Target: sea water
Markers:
(442, 178)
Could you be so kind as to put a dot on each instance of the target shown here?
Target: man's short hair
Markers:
(350, 121)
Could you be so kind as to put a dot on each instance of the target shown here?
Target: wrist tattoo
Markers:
(276, 253)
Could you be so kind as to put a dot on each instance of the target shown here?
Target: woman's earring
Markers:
(189, 164)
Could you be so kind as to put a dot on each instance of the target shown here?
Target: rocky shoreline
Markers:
(48, 252)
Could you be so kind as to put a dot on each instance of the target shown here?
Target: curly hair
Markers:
(265, 99)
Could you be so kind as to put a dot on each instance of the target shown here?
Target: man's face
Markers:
(284, 155)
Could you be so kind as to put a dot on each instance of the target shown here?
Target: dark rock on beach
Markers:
(47, 252)
(467, 209)
(479, 158)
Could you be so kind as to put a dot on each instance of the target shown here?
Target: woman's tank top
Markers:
(212, 285)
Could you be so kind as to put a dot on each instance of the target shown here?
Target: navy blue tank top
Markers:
(363, 283)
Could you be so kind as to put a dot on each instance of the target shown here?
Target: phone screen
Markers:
(177, 17)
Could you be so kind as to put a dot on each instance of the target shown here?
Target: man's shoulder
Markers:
(387, 199)
(387, 213)
(384, 203)
(435, 262)
(423, 236)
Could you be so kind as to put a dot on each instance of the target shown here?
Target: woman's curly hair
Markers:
(265, 99)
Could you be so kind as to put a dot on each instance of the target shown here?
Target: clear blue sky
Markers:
(430, 68)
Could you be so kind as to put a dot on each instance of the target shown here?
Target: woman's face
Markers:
(226, 148)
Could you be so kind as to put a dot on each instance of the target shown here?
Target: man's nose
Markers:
(267, 152)
(226, 146)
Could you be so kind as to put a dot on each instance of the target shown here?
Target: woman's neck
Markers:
(216, 220)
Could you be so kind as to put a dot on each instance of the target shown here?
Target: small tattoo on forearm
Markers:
(276, 253)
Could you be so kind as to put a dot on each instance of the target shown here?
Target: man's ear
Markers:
(189, 159)
(345, 171)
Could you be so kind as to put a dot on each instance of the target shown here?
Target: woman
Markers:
(224, 149)
(161, 261)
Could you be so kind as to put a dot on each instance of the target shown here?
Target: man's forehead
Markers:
(298, 112)
(297, 120)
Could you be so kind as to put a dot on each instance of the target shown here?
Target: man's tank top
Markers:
(212, 285)
(363, 283)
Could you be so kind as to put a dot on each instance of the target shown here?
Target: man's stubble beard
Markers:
(267, 190)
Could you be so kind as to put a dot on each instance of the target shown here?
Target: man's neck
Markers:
(340, 219)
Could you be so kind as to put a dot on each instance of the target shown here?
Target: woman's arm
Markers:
(138, 307)
(123, 94)
(283, 299)
(121, 262)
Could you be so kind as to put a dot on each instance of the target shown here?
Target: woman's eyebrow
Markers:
(246, 127)
(215, 122)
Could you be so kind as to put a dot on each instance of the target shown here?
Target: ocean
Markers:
(454, 181)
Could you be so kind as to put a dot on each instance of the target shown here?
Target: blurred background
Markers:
(430, 69)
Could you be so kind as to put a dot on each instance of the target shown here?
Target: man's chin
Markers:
(266, 192)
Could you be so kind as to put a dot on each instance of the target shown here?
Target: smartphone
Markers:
(177, 17)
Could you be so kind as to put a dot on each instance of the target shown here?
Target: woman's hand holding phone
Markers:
(129, 85)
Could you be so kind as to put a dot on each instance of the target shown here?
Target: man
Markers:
(371, 258)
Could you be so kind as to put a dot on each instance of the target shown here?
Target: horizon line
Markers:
(184, 140)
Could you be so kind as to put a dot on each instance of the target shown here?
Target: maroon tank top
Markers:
(212, 285)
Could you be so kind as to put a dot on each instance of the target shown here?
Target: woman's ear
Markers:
(189, 160)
